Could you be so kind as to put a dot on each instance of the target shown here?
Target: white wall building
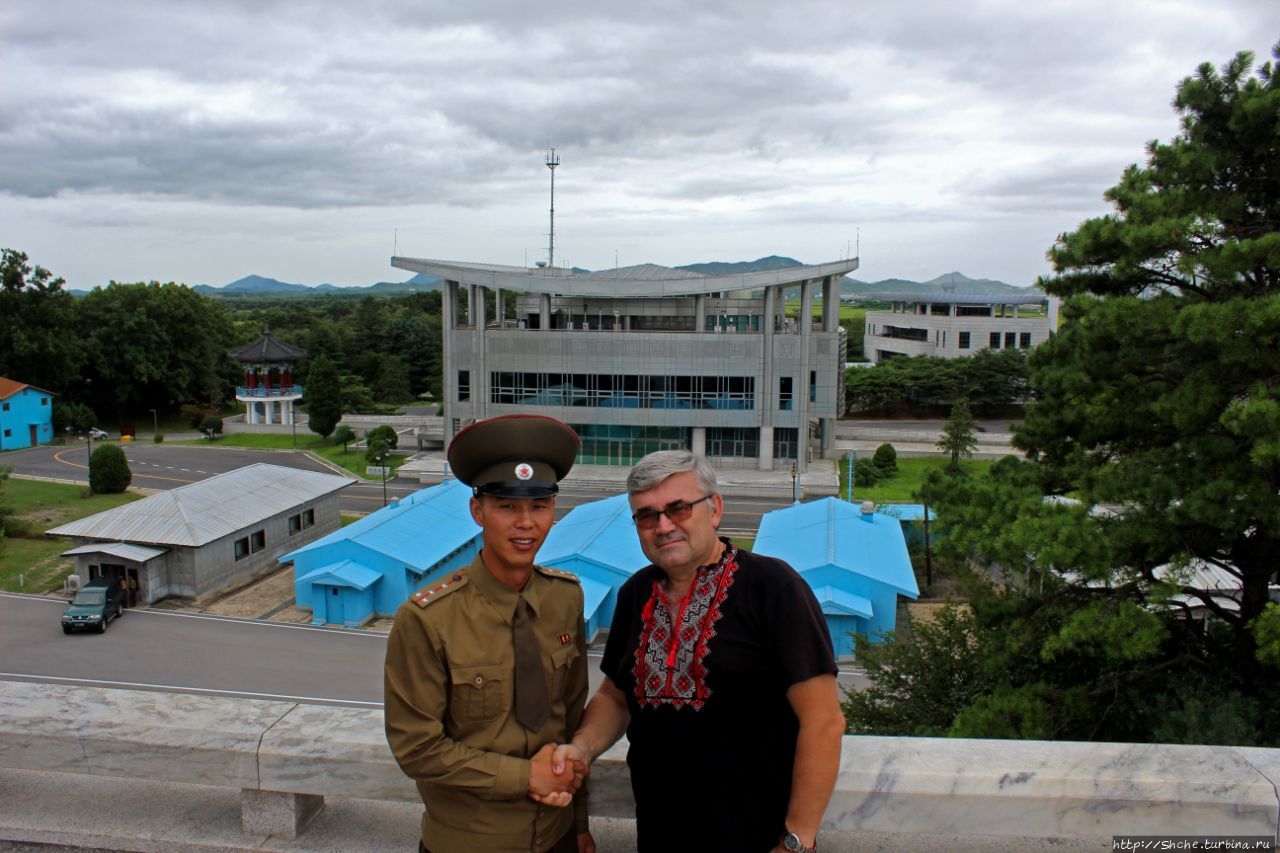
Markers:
(954, 325)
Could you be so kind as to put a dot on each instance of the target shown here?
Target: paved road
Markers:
(159, 466)
(181, 652)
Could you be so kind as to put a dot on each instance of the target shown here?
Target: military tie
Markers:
(532, 705)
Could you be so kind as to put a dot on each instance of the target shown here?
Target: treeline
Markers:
(125, 349)
(988, 381)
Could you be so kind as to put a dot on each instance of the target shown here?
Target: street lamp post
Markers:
(795, 497)
(88, 437)
(155, 423)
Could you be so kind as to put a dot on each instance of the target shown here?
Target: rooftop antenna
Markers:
(857, 246)
(553, 160)
(395, 243)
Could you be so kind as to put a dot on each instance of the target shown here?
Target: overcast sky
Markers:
(201, 142)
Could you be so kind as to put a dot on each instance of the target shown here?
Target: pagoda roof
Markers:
(267, 348)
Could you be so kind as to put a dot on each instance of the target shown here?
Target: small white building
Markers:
(955, 325)
(198, 538)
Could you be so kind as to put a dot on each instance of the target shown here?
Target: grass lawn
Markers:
(39, 506)
(901, 487)
(352, 460)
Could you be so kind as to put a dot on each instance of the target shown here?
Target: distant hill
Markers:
(773, 262)
(952, 282)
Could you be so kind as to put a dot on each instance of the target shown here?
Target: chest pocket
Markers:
(476, 693)
(562, 663)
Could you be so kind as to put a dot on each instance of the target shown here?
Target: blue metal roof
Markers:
(601, 531)
(420, 530)
(837, 602)
(832, 532)
(343, 573)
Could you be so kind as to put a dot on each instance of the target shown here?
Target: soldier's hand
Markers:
(586, 844)
(572, 755)
(547, 787)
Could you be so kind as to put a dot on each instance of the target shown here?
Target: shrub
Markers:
(886, 459)
(211, 426)
(867, 473)
(385, 433)
(109, 470)
(159, 438)
(344, 435)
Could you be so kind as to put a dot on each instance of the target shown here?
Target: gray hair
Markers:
(661, 464)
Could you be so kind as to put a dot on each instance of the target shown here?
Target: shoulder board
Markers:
(558, 573)
(423, 597)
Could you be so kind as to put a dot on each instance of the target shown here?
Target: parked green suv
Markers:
(97, 603)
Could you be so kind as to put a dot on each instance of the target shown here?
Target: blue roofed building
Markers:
(853, 558)
(598, 543)
(26, 415)
(368, 568)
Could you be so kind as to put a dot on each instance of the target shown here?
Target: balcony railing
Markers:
(266, 393)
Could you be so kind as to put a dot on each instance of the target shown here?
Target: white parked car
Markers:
(94, 432)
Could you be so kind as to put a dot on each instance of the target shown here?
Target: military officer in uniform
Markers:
(486, 671)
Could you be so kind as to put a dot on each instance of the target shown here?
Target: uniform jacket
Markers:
(450, 716)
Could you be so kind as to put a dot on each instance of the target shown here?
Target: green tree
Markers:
(385, 434)
(886, 458)
(77, 416)
(344, 435)
(1158, 412)
(324, 405)
(109, 470)
(958, 435)
(37, 317)
(919, 680)
(393, 381)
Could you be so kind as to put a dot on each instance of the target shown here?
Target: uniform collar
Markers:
(502, 597)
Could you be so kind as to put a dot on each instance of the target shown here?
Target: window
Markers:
(964, 340)
(242, 547)
(733, 441)
(295, 524)
(995, 340)
(6, 407)
(308, 518)
(813, 385)
(44, 401)
(785, 440)
(464, 385)
(8, 433)
(784, 393)
(258, 541)
(1024, 342)
(1010, 340)
(622, 391)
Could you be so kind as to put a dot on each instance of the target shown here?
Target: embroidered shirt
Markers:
(712, 735)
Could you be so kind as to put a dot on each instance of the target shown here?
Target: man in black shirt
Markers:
(719, 669)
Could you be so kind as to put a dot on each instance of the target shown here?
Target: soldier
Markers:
(486, 671)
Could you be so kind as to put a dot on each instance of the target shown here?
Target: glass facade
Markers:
(620, 444)
(629, 391)
(733, 441)
(785, 441)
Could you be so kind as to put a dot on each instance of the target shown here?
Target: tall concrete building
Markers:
(646, 358)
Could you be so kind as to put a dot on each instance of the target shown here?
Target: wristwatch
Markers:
(792, 844)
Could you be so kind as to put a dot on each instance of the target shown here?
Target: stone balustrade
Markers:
(285, 758)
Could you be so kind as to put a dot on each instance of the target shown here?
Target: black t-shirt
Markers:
(712, 735)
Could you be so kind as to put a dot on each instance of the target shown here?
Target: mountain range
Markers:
(952, 282)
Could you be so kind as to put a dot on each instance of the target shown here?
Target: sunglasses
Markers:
(647, 519)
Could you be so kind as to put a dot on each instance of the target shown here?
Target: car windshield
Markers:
(90, 598)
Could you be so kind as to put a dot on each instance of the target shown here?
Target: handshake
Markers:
(556, 772)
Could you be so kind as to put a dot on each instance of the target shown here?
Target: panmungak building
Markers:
(647, 358)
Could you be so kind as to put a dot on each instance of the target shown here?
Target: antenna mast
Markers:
(553, 160)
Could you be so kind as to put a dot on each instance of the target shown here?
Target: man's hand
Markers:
(586, 844)
(546, 786)
(571, 760)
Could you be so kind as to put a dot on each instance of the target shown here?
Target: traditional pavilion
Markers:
(268, 392)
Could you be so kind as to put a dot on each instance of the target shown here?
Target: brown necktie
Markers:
(532, 705)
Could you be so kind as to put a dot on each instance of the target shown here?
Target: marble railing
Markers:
(285, 758)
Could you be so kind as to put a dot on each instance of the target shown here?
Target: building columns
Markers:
(698, 441)
(480, 381)
(802, 381)
(830, 303)
(700, 313)
(766, 449)
(449, 385)
(544, 311)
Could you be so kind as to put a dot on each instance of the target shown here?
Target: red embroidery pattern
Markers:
(671, 670)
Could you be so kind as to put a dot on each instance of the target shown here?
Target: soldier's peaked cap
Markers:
(514, 456)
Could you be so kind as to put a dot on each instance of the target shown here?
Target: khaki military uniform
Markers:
(450, 715)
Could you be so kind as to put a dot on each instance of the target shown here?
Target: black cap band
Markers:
(517, 489)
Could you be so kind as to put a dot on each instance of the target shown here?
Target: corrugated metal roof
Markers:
(645, 272)
(838, 602)
(832, 532)
(201, 512)
(601, 531)
(419, 531)
(123, 550)
(347, 573)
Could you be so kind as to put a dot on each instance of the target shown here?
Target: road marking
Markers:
(181, 688)
(297, 626)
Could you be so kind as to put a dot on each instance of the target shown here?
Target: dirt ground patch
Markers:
(260, 599)
(924, 611)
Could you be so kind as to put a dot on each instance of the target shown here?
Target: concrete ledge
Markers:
(271, 765)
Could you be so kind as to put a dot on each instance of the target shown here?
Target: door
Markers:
(35, 434)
